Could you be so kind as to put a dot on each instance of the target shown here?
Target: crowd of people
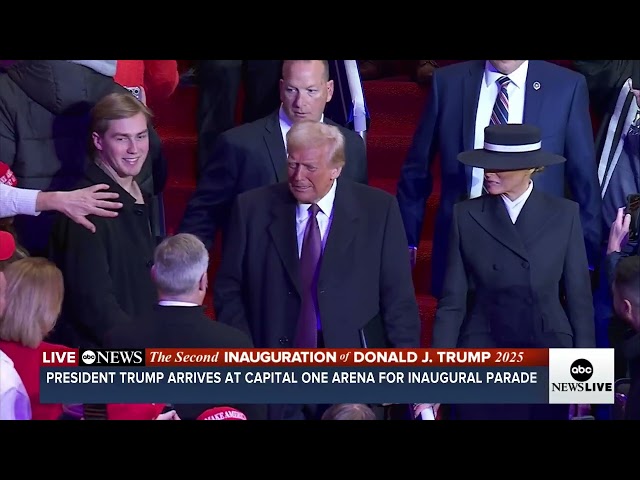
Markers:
(535, 244)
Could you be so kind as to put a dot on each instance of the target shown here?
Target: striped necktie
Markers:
(500, 113)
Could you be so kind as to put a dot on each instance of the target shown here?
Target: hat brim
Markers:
(508, 161)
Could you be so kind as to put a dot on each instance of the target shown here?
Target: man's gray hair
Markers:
(180, 261)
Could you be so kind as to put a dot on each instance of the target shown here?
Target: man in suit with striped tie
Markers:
(465, 98)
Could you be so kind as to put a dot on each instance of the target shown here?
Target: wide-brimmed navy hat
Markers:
(510, 146)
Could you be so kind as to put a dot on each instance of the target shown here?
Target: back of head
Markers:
(180, 262)
(33, 299)
(626, 290)
(349, 411)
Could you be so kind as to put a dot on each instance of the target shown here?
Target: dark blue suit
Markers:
(560, 108)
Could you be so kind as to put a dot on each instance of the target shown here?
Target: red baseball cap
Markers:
(7, 176)
(7, 245)
(222, 413)
(134, 411)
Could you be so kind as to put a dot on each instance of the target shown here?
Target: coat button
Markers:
(289, 292)
(525, 265)
(530, 301)
(150, 263)
(138, 212)
(284, 341)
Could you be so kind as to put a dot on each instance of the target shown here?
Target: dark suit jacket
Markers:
(183, 327)
(246, 157)
(504, 282)
(364, 282)
(107, 274)
(604, 80)
(560, 108)
(612, 100)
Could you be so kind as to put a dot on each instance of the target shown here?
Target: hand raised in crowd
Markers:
(420, 407)
(619, 234)
(170, 415)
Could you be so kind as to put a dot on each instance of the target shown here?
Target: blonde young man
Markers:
(107, 274)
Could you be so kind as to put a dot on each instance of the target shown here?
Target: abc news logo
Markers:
(581, 371)
(581, 375)
(112, 358)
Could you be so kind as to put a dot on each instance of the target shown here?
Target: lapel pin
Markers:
(536, 85)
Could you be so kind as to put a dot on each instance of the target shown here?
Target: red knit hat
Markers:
(7, 245)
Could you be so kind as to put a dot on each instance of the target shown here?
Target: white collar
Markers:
(518, 77)
(521, 199)
(176, 303)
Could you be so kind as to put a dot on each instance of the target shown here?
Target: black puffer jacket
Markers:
(44, 132)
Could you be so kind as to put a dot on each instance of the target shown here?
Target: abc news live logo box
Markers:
(581, 375)
(112, 358)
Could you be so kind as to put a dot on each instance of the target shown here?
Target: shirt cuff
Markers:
(26, 202)
(17, 201)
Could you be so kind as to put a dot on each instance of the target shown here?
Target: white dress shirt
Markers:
(488, 94)
(324, 217)
(514, 207)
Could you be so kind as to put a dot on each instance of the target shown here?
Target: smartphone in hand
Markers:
(136, 91)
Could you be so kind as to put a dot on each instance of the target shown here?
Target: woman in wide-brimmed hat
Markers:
(517, 271)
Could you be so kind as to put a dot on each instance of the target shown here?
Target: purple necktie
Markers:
(307, 331)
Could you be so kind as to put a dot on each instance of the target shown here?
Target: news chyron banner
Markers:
(533, 376)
